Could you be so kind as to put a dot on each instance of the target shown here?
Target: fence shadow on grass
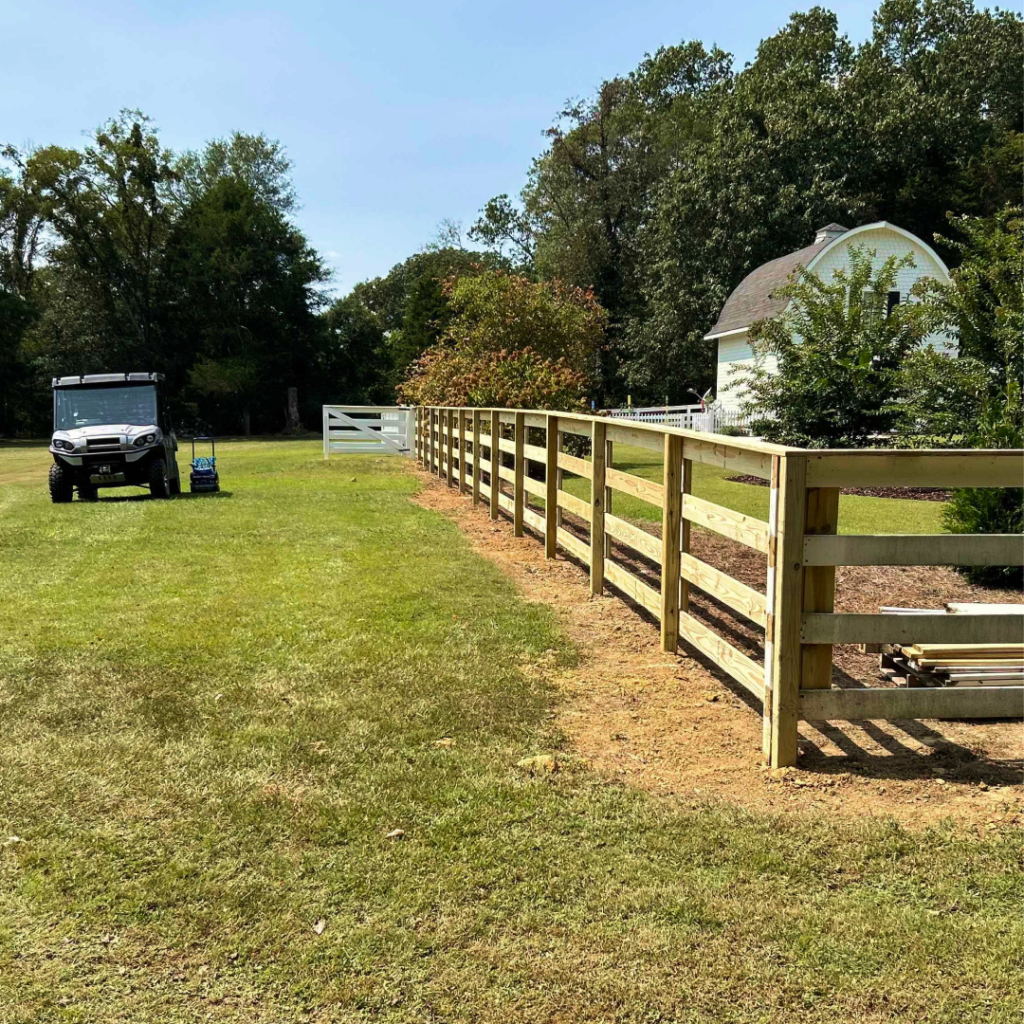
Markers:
(899, 760)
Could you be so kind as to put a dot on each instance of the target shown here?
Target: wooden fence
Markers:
(479, 449)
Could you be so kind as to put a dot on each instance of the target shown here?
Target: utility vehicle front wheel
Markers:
(86, 492)
(159, 479)
(62, 487)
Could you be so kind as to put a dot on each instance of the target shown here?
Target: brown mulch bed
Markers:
(676, 725)
(914, 493)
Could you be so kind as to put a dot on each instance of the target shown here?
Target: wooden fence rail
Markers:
(800, 542)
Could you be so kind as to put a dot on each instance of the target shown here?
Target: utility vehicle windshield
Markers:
(91, 407)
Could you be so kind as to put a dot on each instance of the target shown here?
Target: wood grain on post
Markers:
(671, 517)
(559, 479)
(442, 426)
(821, 517)
(438, 441)
(436, 468)
(609, 451)
(495, 462)
(684, 535)
(451, 446)
(476, 456)
(462, 450)
(551, 489)
(518, 491)
(783, 711)
(598, 491)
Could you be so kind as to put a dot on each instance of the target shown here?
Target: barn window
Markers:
(892, 301)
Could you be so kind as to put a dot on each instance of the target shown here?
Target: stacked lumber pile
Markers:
(955, 664)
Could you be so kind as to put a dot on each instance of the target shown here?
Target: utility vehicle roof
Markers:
(107, 378)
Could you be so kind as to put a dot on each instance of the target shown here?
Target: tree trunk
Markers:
(293, 424)
(245, 422)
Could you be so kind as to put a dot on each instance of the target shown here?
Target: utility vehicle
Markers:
(111, 430)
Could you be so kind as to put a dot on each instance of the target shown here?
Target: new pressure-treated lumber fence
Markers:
(800, 540)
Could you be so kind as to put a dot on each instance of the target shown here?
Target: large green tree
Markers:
(110, 207)
(188, 265)
(241, 293)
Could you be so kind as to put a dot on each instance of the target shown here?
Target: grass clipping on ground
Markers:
(260, 761)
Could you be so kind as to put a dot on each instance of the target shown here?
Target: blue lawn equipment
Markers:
(204, 468)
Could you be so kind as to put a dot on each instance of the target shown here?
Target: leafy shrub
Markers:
(992, 509)
(988, 510)
(986, 306)
(512, 343)
(839, 353)
(733, 430)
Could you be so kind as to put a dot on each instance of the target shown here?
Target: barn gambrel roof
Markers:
(754, 297)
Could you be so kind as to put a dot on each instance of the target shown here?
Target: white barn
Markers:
(753, 298)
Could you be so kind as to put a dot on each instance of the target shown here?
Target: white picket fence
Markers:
(686, 417)
(368, 429)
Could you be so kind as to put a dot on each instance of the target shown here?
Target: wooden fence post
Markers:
(495, 461)
(821, 517)
(609, 452)
(551, 489)
(435, 466)
(327, 435)
(451, 447)
(518, 491)
(430, 439)
(559, 480)
(782, 700)
(476, 456)
(684, 533)
(671, 516)
(462, 450)
(440, 442)
(598, 491)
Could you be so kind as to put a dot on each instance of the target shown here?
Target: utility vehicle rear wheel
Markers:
(62, 488)
(86, 492)
(159, 479)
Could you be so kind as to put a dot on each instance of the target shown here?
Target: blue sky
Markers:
(396, 114)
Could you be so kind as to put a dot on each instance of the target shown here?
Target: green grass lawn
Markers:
(213, 711)
(857, 514)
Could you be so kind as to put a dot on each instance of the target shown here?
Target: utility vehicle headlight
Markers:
(64, 446)
(143, 439)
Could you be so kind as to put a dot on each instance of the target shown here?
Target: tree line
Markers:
(651, 200)
(665, 188)
(123, 255)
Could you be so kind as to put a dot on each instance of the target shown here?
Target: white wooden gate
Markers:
(379, 429)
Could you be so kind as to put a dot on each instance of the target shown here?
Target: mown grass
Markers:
(213, 711)
(857, 513)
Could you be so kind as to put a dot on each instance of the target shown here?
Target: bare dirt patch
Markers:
(675, 725)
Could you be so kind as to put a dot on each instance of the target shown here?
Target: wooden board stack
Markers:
(955, 664)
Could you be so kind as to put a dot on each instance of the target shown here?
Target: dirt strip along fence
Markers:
(486, 453)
